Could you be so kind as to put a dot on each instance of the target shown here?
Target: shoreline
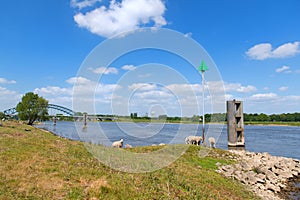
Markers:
(266, 175)
(196, 123)
(282, 188)
(270, 177)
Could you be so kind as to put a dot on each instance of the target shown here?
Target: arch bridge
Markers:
(67, 111)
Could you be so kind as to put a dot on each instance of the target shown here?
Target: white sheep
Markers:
(118, 144)
(128, 146)
(212, 142)
(193, 140)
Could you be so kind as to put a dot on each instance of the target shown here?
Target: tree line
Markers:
(33, 107)
(250, 117)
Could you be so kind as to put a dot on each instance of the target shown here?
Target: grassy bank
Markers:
(38, 165)
(274, 123)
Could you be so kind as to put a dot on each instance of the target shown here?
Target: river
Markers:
(276, 140)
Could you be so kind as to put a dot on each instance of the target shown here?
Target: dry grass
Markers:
(38, 165)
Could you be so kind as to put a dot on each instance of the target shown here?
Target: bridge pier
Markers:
(54, 120)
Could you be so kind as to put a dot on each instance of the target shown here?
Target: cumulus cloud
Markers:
(221, 87)
(104, 70)
(5, 81)
(122, 16)
(237, 87)
(52, 90)
(265, 50)
(84, 3)
(129, 67)
(8, 98)
(78, 80)
(284, 69)
(264, 97)
(283, 88)
(142, 86)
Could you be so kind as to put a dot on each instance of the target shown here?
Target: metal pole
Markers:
(203, 116)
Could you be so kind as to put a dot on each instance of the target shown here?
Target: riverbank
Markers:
(39, 165)
(271, 177)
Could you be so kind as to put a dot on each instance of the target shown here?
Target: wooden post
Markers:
(54, 121)
(235, 124)
(84, 120)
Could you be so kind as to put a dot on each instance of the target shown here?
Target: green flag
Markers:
(203, 67)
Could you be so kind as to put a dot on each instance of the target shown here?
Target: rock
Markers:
(245, 166)
(273, 188)
(294, 172)
(266, 175)
(271, 176)
(260, 178)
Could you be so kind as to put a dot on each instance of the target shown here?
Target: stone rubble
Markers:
(265, 175)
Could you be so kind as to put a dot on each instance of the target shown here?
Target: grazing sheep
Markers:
(212, 142)
(162, 144)
(118, 144)
(193, 140)
(128, 146)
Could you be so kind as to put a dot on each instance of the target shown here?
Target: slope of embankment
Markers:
(39, 165)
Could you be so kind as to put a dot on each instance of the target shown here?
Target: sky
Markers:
(254, 46)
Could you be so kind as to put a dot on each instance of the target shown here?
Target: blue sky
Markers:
(255, 45)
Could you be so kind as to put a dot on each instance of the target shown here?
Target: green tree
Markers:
(2, 116)
(32, 107)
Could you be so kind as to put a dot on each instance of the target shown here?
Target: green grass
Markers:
(38, 165)
(274, 123)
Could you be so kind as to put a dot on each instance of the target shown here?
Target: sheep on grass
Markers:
(212, 142)
(193, 140)
(118, 144)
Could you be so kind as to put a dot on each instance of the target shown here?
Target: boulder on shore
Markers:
(265, 174)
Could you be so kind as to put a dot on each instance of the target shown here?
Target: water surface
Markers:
(276, 140)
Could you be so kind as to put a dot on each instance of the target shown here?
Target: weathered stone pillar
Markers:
(235, 124)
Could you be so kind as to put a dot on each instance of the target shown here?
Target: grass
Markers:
(274, 123)
(38, 165)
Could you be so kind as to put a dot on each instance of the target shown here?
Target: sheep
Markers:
(118, 144)
(193, 140)
(128, 146)
(212, 142)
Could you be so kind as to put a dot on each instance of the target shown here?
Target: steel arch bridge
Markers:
(13, 111)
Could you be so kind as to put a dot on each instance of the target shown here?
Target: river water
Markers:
(276, 140)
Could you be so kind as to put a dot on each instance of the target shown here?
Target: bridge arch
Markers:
(13, 111)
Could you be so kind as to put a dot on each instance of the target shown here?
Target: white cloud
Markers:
(260, 51)
(78, 80)
(52, 90)
(84, 3)
(237, 87)
(104, 70)
(283, 68)
(283, 88)
(142, 86)
(5, 81)
(188, 35)
(129, 67)
(144, 75)
(122, 16)
(286, 50)
(264, 97)
(265, 50)
(8, 98)
(154, 94)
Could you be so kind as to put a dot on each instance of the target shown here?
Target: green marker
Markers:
(203, 67)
